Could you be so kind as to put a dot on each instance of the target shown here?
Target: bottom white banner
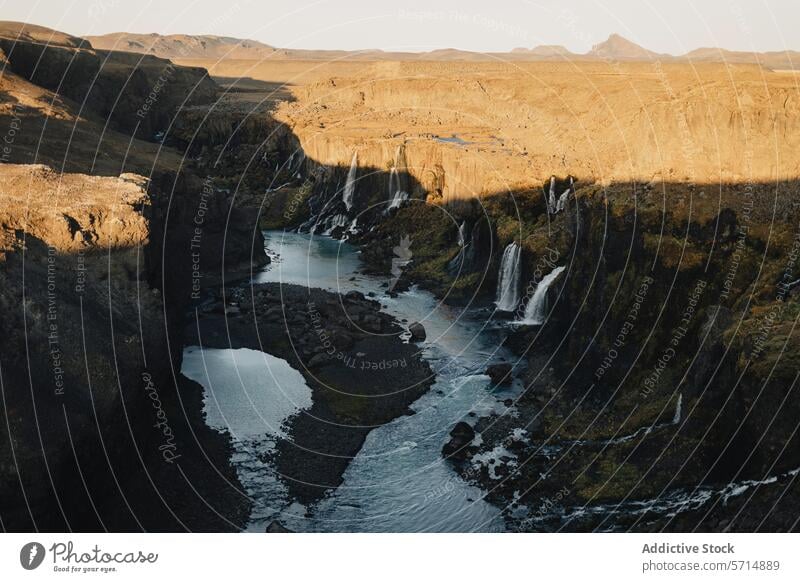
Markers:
(355, 557)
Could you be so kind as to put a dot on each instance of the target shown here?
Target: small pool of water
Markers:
(250, 395)
(452, 139)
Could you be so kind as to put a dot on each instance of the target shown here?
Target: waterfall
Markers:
(394, 182)
(397, 192)
(508, 279)
(536, 310)
(678, 410)
(557, 204)
(350, 184)
(456, 263)
(397, 201)
(462, 234)
(296, 167)
(562, 200)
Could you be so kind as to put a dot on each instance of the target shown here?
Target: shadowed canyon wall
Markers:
(96, 273)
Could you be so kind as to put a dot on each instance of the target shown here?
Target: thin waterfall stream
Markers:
(508, 278)
(350, 184)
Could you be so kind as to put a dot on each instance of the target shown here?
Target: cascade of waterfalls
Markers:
(536, 310)
(350, 184)
(556, 204)
(508, 279)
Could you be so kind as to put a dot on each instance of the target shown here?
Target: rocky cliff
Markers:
(101, 255)
(473, 131)
(659, 392)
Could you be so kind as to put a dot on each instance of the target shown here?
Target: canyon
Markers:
(630, 223)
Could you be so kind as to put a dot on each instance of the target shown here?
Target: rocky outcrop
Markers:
(205, 233)
(461, 437)
(89, 349)
(75, 212)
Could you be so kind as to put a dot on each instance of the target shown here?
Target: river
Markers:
(399, 481)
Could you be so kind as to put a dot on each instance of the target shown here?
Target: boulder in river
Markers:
(417, 332)
(277, 527)
(354, 296)
(500, 374)
(460, 438)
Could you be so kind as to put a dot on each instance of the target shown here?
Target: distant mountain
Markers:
(621, 49)
(545, 51)
(773, 60)
(184, 46)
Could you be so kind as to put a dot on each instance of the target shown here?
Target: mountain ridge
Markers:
(614, 48)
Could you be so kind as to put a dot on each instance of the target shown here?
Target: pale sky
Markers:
(671, 26)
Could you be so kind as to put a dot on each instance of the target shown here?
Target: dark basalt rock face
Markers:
(229, 245)
(103, 432)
